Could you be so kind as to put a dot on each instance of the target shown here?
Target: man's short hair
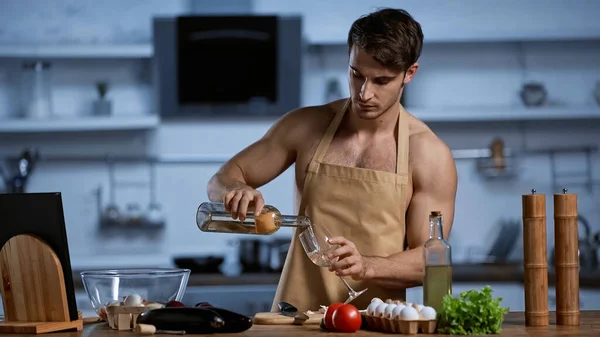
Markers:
(391, 36)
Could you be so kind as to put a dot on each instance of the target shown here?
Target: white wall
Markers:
(465, 75)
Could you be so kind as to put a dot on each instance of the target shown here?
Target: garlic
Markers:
(154, 305)
(133, 300)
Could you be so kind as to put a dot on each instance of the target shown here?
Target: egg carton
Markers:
(396, 325)
(124, 318)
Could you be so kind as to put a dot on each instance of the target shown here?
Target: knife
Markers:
(289, 310)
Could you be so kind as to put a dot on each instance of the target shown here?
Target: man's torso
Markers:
(379, 153)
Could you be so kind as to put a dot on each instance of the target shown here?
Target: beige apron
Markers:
(365, 206)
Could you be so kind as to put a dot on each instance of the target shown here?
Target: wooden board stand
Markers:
(37, 285)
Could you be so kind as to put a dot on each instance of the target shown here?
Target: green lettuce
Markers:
(471, 313)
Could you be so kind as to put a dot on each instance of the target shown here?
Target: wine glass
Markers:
(317, 247)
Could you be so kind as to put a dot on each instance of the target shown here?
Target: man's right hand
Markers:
(239, 199)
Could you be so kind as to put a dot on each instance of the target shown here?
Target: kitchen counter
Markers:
(464, 273)
(513, 326)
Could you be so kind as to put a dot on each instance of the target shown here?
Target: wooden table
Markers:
(513, 326)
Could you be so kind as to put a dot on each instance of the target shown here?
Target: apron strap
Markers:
(403, 146)
(328, 136)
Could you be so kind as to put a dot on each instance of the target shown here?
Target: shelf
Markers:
(504, 114)
(77, 51)
(74, 124)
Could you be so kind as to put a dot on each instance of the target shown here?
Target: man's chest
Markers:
(378, 156)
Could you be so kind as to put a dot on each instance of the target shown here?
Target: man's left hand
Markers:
(349, 260)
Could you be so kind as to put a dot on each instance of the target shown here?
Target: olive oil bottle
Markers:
(438, 264)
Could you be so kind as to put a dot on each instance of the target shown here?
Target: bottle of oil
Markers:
(438, 264)
(212, 217)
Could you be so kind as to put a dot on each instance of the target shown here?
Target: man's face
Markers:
(373, 87)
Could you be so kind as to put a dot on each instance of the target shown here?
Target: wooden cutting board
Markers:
(275, 318)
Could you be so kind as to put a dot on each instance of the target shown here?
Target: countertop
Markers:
(464, 273)
(513, 326)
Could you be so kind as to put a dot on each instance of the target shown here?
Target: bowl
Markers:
(152, 285)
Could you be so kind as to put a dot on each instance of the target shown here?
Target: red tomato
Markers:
(329, 315)
(347, 318)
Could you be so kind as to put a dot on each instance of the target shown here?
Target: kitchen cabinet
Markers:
(327, 22)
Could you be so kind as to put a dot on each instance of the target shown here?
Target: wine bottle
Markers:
(212, 217)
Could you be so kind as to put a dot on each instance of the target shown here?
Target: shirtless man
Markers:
(365, 168)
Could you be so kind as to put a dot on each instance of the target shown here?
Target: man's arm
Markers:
(434, 189)
(235, 183)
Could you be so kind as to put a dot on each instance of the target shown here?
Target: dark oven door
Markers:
(227, 59)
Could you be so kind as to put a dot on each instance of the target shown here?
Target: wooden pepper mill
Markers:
(566, 245)
(535, 259)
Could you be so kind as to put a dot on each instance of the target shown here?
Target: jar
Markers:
(36, 97)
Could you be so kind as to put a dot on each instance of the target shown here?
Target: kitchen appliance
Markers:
(36, 265)
(219, 66)
(36, 95)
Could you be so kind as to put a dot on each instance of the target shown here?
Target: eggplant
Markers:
(190, 320)
(234, 322)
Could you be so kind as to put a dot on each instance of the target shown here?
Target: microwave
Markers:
(234, 65)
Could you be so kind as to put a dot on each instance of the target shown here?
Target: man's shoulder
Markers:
(425, 146)
(312, 117)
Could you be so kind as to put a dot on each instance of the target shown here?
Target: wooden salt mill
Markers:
(535, 259)
(566, 257)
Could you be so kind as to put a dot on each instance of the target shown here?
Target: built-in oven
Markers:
(246, 65)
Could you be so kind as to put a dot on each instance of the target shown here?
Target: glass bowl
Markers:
(153, 285)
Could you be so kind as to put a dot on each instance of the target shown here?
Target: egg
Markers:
(376, 300)
(408, 304)
(397, 310)
(409, 314)
(428, 313)
(133, 300)
(380, 310)
(371, 308)
(417, 306)
(387, 313)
